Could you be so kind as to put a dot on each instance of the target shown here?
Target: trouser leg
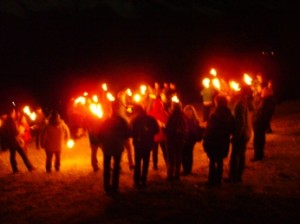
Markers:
(116, 172)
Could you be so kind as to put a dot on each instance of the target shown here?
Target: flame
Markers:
(85, 93)
(152, 96)
(33, 116)
(104, 87)
(81, 100)
(216, 83)
(234, 85)
(110, 97)
(137, 97)
(247, 79)
(129, 92)
(129, 110)
(143, 89)
(96, 109)
(95, 98)
(175, 99)
(70, 143)
(206, 82)
(27, 111)
(213, 72)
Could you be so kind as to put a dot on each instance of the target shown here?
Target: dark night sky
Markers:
(46, 44)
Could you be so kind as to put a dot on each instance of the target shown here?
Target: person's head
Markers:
(54, 116)
(138, 110)
(221, 101)
(176, 107)
(116, 107)
(190, 112)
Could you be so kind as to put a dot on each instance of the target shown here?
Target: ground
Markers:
(269, 193)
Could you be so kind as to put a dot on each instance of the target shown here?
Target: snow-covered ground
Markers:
(270, 191)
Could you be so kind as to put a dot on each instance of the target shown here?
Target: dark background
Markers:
(52, 49)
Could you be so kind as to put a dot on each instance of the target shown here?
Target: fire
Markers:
(143, 89)
(152, 96)
(129, 92)
(70, 143)
(85, 93)
(31, 115)
(213, 72)
(137, 98)
(234, 85)
(175, 99)
(216, 83)
(110, 97)
(26, 110)
(247, 79)
(206, 82)
(95, 98)
(104, 87)
(96, 109)
(81, 100)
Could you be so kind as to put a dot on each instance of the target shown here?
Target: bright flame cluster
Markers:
(221, 85)
(29, 113)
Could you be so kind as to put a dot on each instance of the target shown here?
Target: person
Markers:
(242, 133)
(93, 127)
(114, 132)
(38, 126)
(24, 130)
(216, 139)
(195, 134)
(144, 127)
(267, 95)
(261, 119)
(12, 139)
(54, 138)
(176, 135)
(207, 100)
(161, 115)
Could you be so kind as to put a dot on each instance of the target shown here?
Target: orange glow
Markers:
(95, 98)
(143, 89)
(31, 115)
(81, 100)
(70, 143)
(96, 109)
(26, 110)
(152, 96)
(110, 97)
(104, 87)
(175, 99)
(206, 82)
(129, 92)
(137, 98)
(247, 79)
(234, 86)
(85, 93)
(216, 83)
(213, 72)
(129, 110)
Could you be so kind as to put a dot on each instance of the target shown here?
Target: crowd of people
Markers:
(161, 124)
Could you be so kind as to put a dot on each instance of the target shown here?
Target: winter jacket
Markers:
(144, 128)
(158, 112)
(55, 135)
(217, 134)
(114, 131)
